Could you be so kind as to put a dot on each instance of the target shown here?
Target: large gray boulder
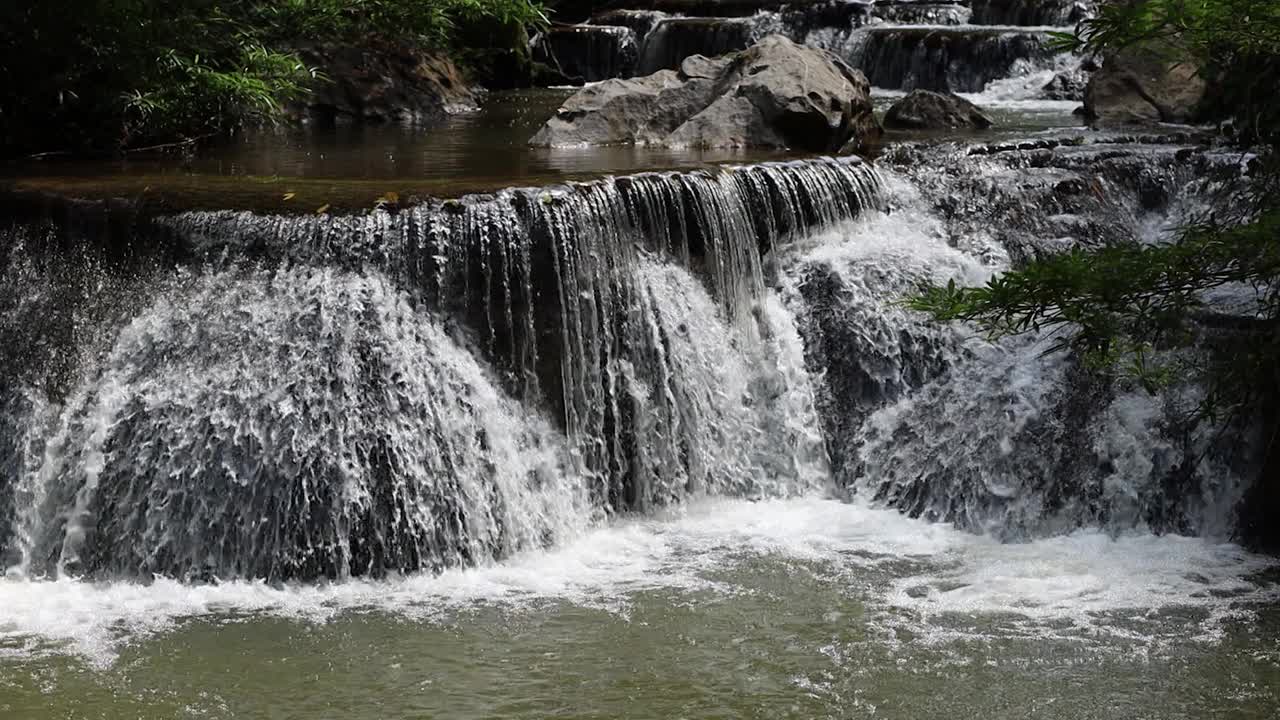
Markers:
(928, 110)
(774, 94)
(1143, 85)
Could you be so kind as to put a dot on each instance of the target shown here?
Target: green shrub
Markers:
(81, 75)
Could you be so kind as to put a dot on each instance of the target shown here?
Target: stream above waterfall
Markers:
(348, 167)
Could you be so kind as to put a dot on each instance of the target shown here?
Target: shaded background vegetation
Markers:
(100, 75)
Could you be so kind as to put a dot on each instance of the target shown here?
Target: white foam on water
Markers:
(922, 573)
(907, 244)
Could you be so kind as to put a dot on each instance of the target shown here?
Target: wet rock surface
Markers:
(1066, 86)
(1031, 12)
(928, 110)
(1143, 85)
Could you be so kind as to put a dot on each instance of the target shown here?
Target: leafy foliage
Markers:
(85, 74)
(1119, 304)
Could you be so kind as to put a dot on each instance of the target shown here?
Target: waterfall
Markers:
(919, 13)
(944, 46)
(950, 59)
(226, 394)
(1059, 13)
(299, 422)
(588, 53)
(673, 39)
(314, 396)
(1011, 437)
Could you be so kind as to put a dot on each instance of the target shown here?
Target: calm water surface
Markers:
(490, 144)
(488, 147)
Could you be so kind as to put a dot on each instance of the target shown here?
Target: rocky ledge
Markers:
(774, 94)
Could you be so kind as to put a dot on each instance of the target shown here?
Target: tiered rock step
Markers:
(954, 59)
(900, 44)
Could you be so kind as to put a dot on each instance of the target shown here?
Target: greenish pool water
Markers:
(803, 608)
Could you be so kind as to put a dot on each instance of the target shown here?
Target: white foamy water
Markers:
(908, 572)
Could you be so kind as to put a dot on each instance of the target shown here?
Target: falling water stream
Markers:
(660, 445)
(345, 468)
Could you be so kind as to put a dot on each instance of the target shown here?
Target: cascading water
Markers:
(358, 395)
(363, 398)
(296, 423)
(953, 47)
(944, 58)
(673, 39)
(668, 441)
(1032, 12)
(1005, 438)
(589, 53)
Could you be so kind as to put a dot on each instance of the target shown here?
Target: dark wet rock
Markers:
(866, 352)
(803, 18)
(774, 94)
(928, 110)
(1065, 86)
(383, 84)
(587, 53)
(1142, 85)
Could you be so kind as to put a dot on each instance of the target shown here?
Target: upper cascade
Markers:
(897, 43)
(1056, 13)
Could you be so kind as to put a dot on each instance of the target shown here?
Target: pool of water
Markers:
(485, 146)
(291, 169)
(801, 608)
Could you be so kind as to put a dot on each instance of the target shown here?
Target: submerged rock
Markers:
(774, 94)
(383, 84)
(1143, 85)
(925, 109)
